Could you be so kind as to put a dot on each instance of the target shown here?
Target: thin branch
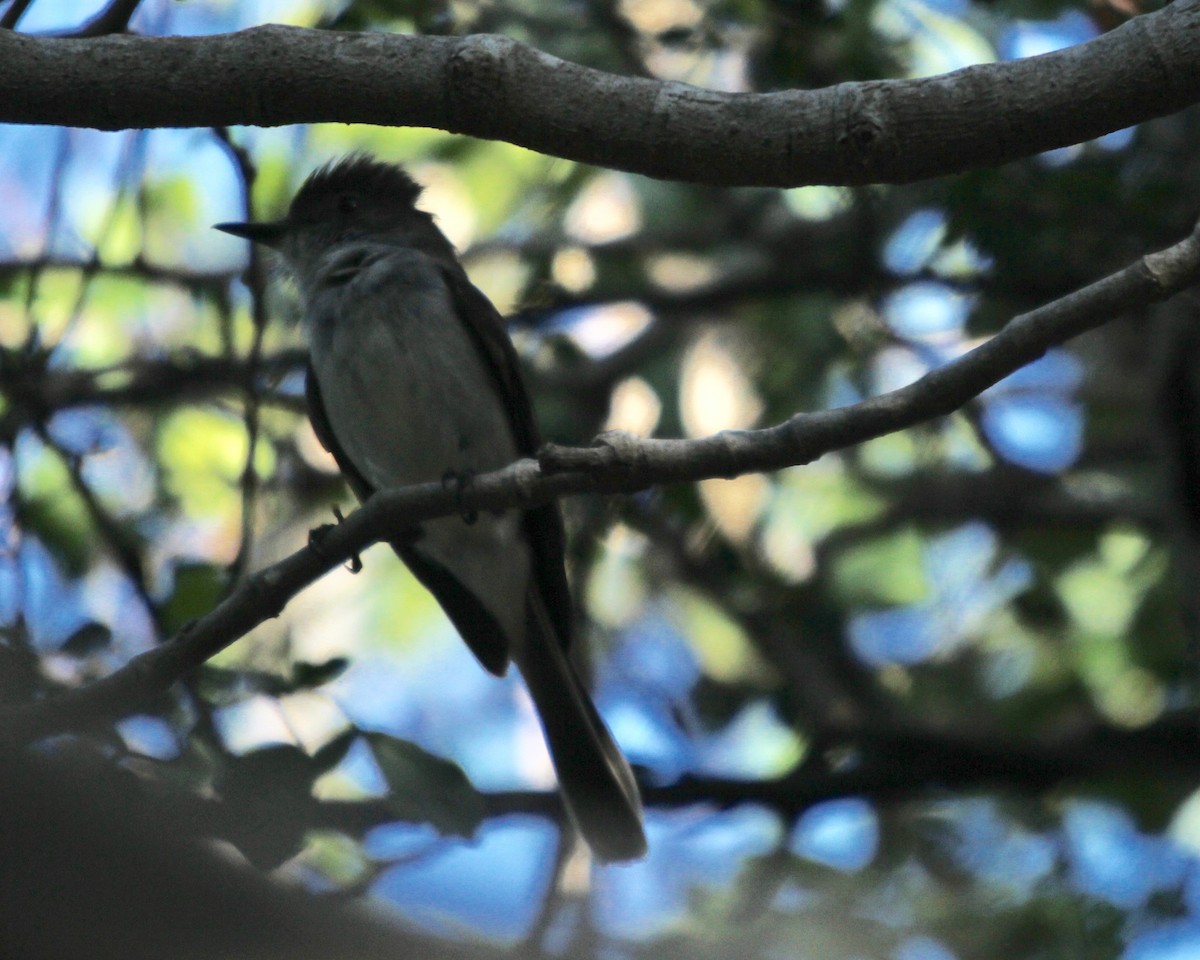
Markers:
(114, 18)
(894, 763)
(12, 16)
(616, 464)
(120, 541)
(35, 393)
(626, 40)
(901, 762)
(255, 279)
(62, 154)
(805, 437)
(898, 763)
(824, 691)
(1011, 498)
(197, 280)
(496, 88)
(130, 168)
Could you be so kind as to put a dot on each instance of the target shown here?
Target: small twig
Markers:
(13, 14)
(121, 545)
(198, 281)
(129, 170)
(112, 19)
(148, 383)
(256, 281)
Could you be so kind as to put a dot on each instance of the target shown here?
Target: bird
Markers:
(412, 378)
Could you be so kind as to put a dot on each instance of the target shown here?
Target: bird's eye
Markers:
(347, 203)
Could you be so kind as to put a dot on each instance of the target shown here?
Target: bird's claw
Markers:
(459, 481)
(318, 535)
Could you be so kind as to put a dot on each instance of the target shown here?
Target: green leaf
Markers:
(58, 515)
(91, 638)
(334, 752)
(202, 453)
(282, 769)
(308, 675)
(426, 788)
(198, 588)
(270, 790)
(888, 570)
(725, 652)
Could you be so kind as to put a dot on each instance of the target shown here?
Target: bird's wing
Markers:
(323, 429)
(470, 617)
(596, 780)
(543, 525)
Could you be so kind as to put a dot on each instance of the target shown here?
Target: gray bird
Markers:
(411, 379)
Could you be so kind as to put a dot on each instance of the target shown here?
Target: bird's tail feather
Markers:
(594, 776)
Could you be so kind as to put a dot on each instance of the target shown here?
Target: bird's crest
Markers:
(359, 174)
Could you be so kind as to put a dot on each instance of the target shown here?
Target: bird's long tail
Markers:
(594, 776)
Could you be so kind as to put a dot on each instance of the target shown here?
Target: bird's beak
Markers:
(269, 233)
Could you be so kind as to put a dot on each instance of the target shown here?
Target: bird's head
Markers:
(354, 199)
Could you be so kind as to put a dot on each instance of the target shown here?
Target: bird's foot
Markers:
(318, 535)
(460, 481)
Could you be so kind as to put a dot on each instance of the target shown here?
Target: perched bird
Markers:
(411, 379)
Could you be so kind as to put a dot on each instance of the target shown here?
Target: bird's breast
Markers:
(406, 391)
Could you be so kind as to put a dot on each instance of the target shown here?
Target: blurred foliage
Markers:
(955, 579)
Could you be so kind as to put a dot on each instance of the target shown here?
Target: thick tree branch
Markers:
(493, 87)
(95, 865)
(617, 464)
